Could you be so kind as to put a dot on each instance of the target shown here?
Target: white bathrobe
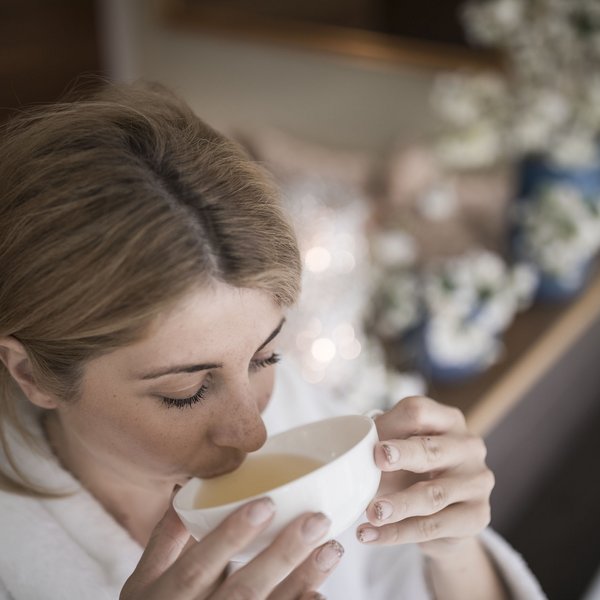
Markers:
(72, 549)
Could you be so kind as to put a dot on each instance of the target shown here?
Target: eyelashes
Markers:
(265, 362)
(255, 365)
(183, 402)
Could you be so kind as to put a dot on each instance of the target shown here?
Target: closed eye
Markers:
(186, 402)
(261, 363)
(255, 365)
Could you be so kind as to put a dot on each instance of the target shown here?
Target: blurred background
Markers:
(440, 161)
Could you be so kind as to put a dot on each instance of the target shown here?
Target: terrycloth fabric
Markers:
(71, 548)
(60, 548)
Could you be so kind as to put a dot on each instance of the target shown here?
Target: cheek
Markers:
(110, 419)
(135, 434)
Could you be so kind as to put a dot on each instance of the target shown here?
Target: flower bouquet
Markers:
(447, 319)
(558, 231)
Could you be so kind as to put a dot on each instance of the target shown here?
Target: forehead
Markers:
(218, 313)
(215, 323)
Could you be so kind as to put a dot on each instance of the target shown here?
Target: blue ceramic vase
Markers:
(536, 173)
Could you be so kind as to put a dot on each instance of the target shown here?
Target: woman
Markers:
(146, 268)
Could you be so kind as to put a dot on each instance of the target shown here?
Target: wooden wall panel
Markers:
(44, 46)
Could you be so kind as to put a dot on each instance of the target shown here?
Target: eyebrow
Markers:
(204, 366)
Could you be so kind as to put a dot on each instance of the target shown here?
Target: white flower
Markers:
(575, 148)
(561, 229)
(447, 293)
(506, 14)
(479, 145)
(461, 305)
(492, 21)
(530, 134)
(461, 100)
(496, 314)
(454, 343)
(453, 98)
(488, 269)
(550, 102)
(477, 288)
(523, 282)
(401, 304)
(591, 101)
(550, 105)
(538, 115)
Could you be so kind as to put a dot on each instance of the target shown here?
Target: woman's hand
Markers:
(435, 492)
(435, 487)
(177, 567)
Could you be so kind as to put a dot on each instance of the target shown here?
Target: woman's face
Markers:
(186, 400)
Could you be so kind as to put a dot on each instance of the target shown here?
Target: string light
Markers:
(326, 331)
(317, 259)
(323, 350)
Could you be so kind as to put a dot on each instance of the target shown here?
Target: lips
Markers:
(232, 462)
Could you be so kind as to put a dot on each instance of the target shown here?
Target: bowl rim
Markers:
(236, 503)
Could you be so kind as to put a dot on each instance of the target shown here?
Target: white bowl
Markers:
(341, 488)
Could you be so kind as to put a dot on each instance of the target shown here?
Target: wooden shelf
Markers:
(231, 20)
(533, 345)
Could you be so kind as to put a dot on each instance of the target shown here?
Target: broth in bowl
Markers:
(256, 475)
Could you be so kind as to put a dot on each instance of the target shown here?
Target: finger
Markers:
(419, 415)
(429, 497)
(290, 548)
(202, 564)
(455, 521)
(310, 574)
(166, 543)
(423, 454)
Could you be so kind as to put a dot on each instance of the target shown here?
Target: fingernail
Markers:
(391, 453)
(368, 534)
(316, 596)
(315, 527)
(383, 510)
(261, 511)
(329, 555)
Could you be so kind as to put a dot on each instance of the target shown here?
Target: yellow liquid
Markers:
(256, 475)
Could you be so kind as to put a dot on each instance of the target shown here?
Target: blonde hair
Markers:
(111, 208)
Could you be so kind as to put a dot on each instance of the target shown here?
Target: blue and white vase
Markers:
(434, 368)
(536, 172)
(552, 288)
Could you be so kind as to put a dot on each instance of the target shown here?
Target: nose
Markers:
(240, 424)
